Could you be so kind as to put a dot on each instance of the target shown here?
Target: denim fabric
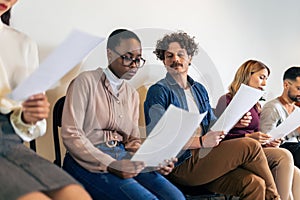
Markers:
(147, 185)
(118, 152)
(166, 92)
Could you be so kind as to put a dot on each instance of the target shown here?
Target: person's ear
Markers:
(109, 56)
(285, 84)
(164, 62)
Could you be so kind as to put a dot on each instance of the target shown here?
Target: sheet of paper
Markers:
(245, 98)
(169, 136)
(287, 126)
(66, 56)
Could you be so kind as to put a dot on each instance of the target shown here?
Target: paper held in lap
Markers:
(169, 136)
(245, 98)
(66, 56)
(287, 126)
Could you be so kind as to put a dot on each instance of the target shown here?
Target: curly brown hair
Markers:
(185, 41)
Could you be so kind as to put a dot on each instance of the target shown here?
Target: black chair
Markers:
(200, 192)
(32, 145)
(57, 115)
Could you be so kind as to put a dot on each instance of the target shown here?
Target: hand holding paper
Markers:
(245, 98)
(169, 136)
(168, 167)
(290, 124)
(71, 52)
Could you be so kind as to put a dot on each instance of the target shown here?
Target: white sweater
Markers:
(18, 59)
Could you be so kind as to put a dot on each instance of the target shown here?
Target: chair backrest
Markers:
(57, 115)
(32, 145)
(142, 90)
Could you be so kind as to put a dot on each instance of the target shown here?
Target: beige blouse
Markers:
(93, 114)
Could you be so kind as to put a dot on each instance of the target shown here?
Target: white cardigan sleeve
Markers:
(15, 69)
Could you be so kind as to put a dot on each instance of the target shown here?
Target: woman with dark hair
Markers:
(255, 74)
(100, 129)
(25, 175)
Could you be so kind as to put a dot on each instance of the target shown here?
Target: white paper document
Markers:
(287, 126)
(245, 98)
(66, 56)
(168, 137)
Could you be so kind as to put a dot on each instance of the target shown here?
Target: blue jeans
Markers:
(148, 185)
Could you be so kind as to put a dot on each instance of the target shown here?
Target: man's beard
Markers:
(293, 98)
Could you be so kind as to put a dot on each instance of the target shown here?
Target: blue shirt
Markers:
(166, 92)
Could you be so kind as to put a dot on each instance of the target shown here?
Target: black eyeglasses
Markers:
(127, 61)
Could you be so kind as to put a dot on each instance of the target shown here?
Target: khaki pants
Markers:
(236, 167)
(286, 175)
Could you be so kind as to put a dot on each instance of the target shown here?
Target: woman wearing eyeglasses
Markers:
(100, 129)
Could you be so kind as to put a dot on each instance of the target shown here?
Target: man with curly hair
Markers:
(236, 167)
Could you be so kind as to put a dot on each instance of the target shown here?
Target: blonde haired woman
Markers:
(287, 177)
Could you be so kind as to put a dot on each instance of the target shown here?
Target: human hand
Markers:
(274, 143)
(245, 121)
(35, 108)
(126, 168)
(168, 167)
(134, 147)
(212, 138)
(259, 136)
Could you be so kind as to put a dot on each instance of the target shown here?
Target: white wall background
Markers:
(229, 32)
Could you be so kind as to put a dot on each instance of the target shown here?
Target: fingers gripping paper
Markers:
(169, 136)
(290, 124)
(66, 56)
(245, 98)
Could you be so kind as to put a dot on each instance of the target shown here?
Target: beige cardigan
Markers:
(93, 114)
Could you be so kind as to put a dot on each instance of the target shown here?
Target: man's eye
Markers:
(180, 55)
